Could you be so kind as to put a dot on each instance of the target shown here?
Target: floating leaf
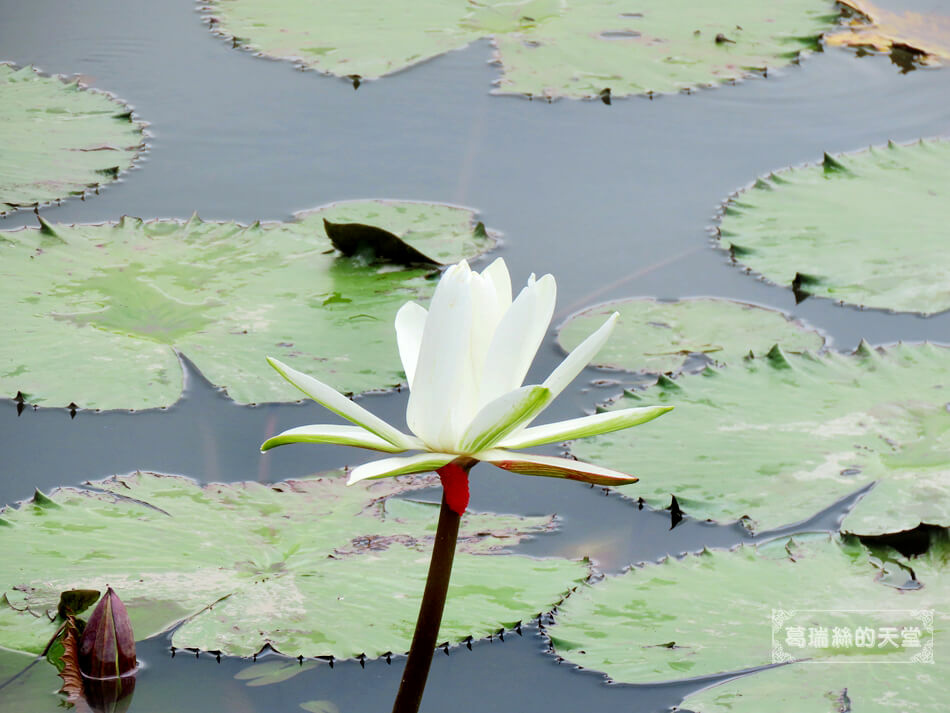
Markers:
(309, 567)
(925, 35)
(29, 684)
(867, 228)
(875, 688)
(59, 139)
(720, 612)
(546, 48)
(122, 299)
(776, 439)
(657, 337)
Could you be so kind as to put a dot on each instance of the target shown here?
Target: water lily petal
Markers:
(410, 324)
(497, 274)
(333, 400)
(332, 433)
(487, 312)
(517, 339)
(575, 362)
(499, 418)
(388, 467)
(551, 467)
(442, 394)
(583, 427)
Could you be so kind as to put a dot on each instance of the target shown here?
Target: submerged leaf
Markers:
(59, 139)
(125, 298)
(657, 337)
(776, 439)
(545, 48)
(308, 567)
(869, 228)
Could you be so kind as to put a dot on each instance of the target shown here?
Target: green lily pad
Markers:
(33, 687)
(776, 439)
(59, 139)
(126, 298)
(867, 229)
(546, 48)
(881, 688)
(657, 337)
(721, 612)
(310, 567)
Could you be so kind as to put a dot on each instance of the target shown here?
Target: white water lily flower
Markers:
(465, 360)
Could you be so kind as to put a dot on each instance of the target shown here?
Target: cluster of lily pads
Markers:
(770, 427)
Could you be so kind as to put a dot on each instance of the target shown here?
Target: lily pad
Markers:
(773, 440)
(59, 139)
(926, 36)
(880, 688)
(546, 48)
(722, 612)
(658, 337)
(309, 567)
(27, 687)
(126, 298)
(868, 228)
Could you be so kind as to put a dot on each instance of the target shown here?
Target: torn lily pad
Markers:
(924, 36)
(658, 337)
(868, 228)
(126, 298)
(776, 439)
(309, 567)
(59, 139)
(721, 612)
(546, 48)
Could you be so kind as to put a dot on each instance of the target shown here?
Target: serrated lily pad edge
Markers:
(716, 228)
(141, 149)
(540, 619)
(206, 10)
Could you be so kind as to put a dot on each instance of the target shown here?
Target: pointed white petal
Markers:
(410, 324)
(332, 399)
(332, 433)
(517, 338)
(486, 314)
(575, 362)
(583, 427)
(441, 391)
(388, 467)
(497, 273)
(502, 416)
(551, 467)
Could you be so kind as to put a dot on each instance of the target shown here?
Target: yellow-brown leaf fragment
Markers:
(925, 35)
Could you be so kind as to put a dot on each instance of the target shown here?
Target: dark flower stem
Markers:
(414, 676)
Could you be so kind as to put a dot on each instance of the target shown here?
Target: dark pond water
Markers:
(616, 201)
